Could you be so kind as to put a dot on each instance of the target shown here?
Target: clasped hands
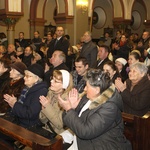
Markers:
(72, 101)
(120, 85)
(10, 99)
(44, 101)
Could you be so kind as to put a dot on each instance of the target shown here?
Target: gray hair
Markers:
(89, 33)
(98, 78)
(62, 55)
(140, 66)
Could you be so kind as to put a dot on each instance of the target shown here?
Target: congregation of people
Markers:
(79, 91)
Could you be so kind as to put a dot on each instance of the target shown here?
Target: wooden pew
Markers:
(28, 138)
(137, 130)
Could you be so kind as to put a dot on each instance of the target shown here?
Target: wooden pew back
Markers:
(136, 129)
(28, 138)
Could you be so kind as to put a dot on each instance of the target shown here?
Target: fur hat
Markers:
(19, 66)
(37, 70)
(121, 60)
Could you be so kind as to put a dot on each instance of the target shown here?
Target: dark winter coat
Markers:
(61, 45)
(4, 79)
(78, 85)
(89, 51)
(100, 127)
(27, 112)
(49, 73)
(123, 52)
(96, 66)
(137, 101)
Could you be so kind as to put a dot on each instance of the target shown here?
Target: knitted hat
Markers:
(19, 66)
(121, 60)
(37, 70)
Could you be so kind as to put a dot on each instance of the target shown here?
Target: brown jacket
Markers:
(53, 113)
(10, 88)
(137, 101)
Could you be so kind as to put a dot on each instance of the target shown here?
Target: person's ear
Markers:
(87, 66)
(97, 90)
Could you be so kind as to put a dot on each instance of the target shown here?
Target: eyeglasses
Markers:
(28, 76)
(54, 80)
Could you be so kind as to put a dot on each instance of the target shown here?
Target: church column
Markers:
(10, 23)
(10, 12)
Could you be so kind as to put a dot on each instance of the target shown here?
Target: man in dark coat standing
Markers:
(89, 49)
(60, 43)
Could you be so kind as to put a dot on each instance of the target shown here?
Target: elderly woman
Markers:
(27, 107)
(135, 91)
(61, 83)
(14, 85)
(97, 120)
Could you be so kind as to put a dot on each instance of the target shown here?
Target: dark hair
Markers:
(6, 62)
(67, 36)
(107, 49)
(112, 65)
(31, 47)
(37, 32)
(136, 55)
(21, 32)
(136, 34)
(2, 35)
(98, 78)
(82, 59)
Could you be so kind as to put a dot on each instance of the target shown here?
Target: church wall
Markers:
(97, 33)
(23, 24)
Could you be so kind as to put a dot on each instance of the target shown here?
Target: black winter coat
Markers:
(100, 127)
(137, 101)
(27, 112)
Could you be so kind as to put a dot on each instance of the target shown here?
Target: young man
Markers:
(81, 67)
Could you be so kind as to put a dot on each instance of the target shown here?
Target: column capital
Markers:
(37, 22)
(63, 18)
(10, 22)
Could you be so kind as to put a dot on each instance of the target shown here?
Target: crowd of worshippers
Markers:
(79, 90)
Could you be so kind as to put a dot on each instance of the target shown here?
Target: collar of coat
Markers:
(107, 94)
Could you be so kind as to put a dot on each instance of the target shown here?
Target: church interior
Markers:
(75, 16)
(58, 43)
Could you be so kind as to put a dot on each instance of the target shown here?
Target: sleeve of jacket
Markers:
(136, 101)
(93, 56)
(32, 109)
(95, 124)
(54, 115)
(65, 46)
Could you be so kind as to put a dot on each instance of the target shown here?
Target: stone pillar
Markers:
(10, 23)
